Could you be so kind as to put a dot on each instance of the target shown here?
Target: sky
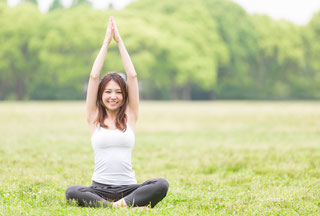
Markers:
(296, 11)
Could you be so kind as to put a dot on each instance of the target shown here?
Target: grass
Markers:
(220, 158)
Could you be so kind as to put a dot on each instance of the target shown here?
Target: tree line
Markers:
(182, 49)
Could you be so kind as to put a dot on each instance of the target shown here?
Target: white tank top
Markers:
(112, 155)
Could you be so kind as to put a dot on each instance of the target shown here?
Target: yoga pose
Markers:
(112, 112)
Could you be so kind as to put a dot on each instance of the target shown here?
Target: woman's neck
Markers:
(112, 115)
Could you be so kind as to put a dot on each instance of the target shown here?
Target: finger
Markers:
(109, 24)
(114, 23)
(112, 19)
(109, 28)
(115, 26)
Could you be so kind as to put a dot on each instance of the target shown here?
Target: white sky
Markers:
(296, 11)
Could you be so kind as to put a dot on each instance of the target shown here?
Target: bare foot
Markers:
(122, 204)
(119, 203)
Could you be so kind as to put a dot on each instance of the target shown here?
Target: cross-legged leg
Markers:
(149, 193)
(85, 196)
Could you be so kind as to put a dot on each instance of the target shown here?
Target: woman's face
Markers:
(112, 96)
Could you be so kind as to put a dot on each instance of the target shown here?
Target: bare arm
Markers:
(133, 90)
(91, 107)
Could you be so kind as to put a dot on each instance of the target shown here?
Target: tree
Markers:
(80, 2)
(180, 49)
(56, 4)
(16, 61)
(190, 46)
(65, 44)
(281, 57)
(31, 1)
(312, 55)
(236, 77)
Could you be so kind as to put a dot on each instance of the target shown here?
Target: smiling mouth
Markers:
(112, 102)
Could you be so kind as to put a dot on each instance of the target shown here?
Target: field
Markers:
(220, 158)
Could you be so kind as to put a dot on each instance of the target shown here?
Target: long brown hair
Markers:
(121, 118)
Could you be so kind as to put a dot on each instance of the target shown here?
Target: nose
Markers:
(113, 95)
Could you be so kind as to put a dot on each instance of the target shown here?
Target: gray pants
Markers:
(100, 195)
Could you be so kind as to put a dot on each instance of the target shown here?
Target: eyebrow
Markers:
(112, 89)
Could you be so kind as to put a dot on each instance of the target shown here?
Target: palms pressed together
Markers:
(112, 32)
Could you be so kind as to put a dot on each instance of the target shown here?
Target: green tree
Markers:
(81, 2)
(181, 49)
(56, 4)
(281, 56)
(66, 44)
(236, 79)
(190, 46)
(31, 1)
(312, 53)
(16, 61)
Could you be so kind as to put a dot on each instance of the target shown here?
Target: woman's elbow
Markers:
(132, 76)
(94, 77)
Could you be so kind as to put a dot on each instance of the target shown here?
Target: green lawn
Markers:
(220, 158)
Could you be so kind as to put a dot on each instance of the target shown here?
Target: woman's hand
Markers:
(115, 32)
(108, 36)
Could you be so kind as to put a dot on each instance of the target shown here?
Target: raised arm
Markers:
(91, 107)
(133, 90)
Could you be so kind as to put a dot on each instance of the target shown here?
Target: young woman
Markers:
(112, 112)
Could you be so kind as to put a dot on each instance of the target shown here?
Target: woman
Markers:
(112, 113)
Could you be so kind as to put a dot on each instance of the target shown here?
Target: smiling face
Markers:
(112, 96)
